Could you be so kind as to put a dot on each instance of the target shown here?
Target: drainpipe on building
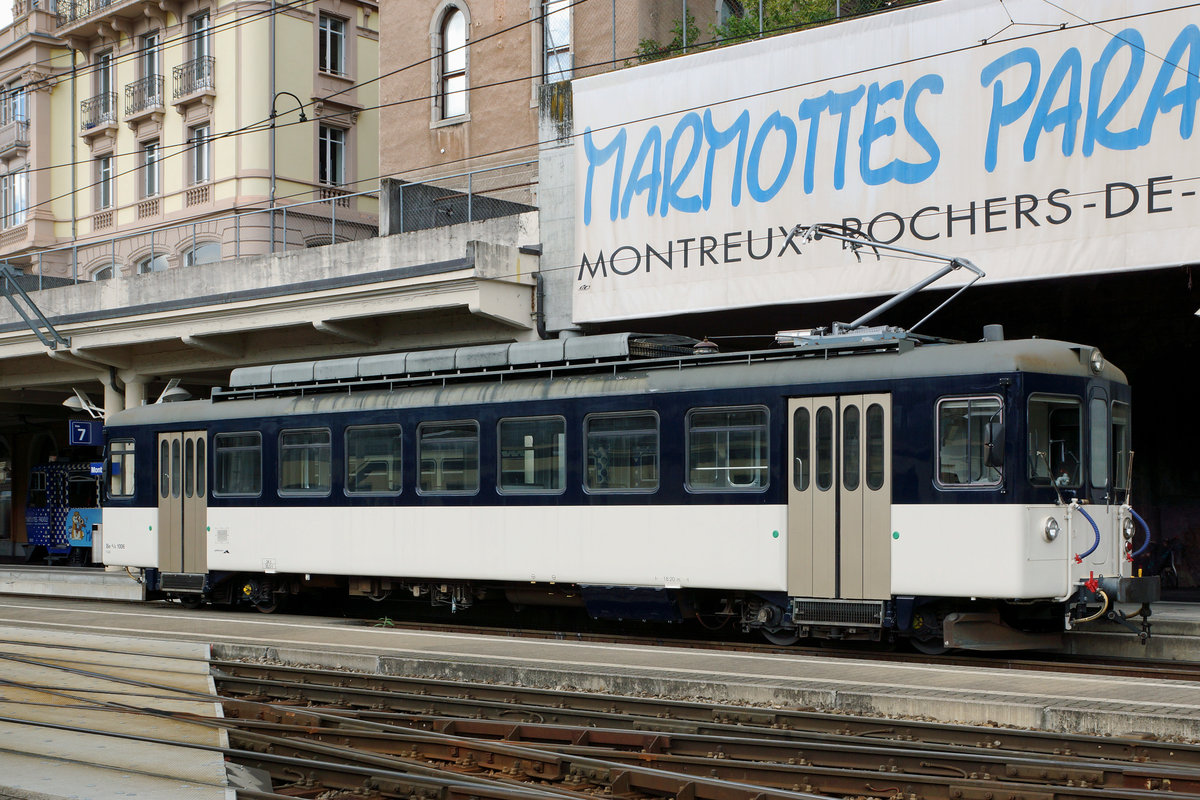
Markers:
(271, 100)
(74, 165)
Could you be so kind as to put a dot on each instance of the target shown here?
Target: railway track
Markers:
(576, 744)
(336, 735)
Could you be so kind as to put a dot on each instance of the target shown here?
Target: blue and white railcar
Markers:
(865, 485)
(62, 510)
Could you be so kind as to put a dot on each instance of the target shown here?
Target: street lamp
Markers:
(274, 114)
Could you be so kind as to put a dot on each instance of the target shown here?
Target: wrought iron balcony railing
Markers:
(195, 76)
(98, 110)
(69, 11)
(145, 94)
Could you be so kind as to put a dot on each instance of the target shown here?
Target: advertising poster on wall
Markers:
(1035, 139)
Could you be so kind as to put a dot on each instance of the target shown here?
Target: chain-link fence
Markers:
(467, 197)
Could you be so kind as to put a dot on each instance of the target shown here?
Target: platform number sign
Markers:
(85, 432)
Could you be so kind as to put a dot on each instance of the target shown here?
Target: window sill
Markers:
(451, 121)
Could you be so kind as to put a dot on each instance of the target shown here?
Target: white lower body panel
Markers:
(709, 546)
(998, 551)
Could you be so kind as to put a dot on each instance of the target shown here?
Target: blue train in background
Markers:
(62, 510)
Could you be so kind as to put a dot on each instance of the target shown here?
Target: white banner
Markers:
(1034, 139)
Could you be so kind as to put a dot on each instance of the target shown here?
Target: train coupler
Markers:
(1142, 631)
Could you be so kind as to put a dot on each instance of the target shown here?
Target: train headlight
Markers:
(1096, 361)
(1127, 529)
(1051, 529)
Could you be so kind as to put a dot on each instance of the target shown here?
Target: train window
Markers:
(532, 454)
(201, 469)
(875, 447)
(176, 470)
(1055, 441)
(1098, 435)
(373, 459)
(622, 452)
(1120, 445)
(801, 456)
(727, 449)
(238, 464)
(305, 462)
(850, 447)
(120, 468)
(83, 491)
(39, 494)
(824, 469)
(962, 427)
(164, 468)
(189, 468)
(449, 457)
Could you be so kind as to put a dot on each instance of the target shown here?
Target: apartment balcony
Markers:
(14, 137)
(87, 19)
(195, 82)
(98, 115)
(144, 98)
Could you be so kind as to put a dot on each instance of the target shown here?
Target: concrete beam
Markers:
(341, 330)
(213, 345)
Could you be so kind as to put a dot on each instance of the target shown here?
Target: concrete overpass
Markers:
(469, 283)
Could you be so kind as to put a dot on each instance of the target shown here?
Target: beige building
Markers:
(141, 136)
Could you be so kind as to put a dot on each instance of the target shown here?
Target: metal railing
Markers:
(337, 217)
(259, 232)
(195, 75)
(423, 203)
(14, 133)
(98, 110)
(144, 94)
(69, 11)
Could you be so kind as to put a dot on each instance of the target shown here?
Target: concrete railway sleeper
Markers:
(379, 697)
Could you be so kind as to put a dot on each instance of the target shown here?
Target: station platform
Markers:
(57, 581)
(56, 683)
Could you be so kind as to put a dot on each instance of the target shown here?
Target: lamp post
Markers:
(274, 113)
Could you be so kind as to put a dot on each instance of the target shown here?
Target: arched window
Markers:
(155, 263)
(453, 64)
(204, 253)
(103, 274)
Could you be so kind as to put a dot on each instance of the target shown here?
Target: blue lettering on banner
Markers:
(1047, 102)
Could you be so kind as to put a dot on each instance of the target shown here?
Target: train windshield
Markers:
(38, 492)
(83, 491)
(1054, 441)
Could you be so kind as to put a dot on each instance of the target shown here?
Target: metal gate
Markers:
(839, 497)
(182, 509)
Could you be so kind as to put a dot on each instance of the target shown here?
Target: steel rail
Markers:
(376, 695)
(554, 776)
(825, 767)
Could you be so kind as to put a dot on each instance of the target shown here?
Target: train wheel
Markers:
(781, 637)
(271, 606)
(930, 647)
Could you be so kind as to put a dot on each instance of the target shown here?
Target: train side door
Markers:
(839, 497)
(182, 502)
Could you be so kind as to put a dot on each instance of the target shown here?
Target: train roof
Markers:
(610, 365)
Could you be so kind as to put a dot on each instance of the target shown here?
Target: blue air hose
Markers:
(1146, 528)
(1079, 557)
